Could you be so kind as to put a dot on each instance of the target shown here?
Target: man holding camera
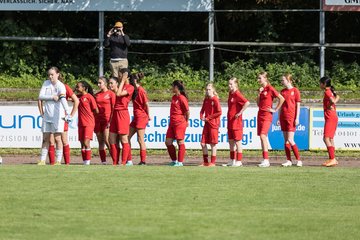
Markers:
(119, 43)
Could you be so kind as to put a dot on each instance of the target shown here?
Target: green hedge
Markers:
(158, 79)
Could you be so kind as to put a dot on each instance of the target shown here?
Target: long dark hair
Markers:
(132, 82)
(87, 87)
(327, 82)
(137, 76)
(179, 84)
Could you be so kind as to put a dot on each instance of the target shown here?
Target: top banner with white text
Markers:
(107, 5)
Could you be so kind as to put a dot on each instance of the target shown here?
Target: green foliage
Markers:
(158, 79)
(346, 76)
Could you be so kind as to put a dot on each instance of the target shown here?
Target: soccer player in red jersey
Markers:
(179, 120)
(237, 104)
(120, 122)
(210, 113)
(289, 114)
(141, 110)
(70, 95)
(86, 118)
(331, 119)
(105, 100)
(264, 100)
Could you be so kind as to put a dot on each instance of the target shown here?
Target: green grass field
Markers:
(106, 202)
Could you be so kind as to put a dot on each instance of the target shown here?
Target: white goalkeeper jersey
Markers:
(53, 110)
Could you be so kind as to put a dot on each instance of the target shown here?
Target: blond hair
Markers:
(213, 88)
(289, 77)
(265, 75)
(236, 81)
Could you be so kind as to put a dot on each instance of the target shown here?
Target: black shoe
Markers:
(142, 163)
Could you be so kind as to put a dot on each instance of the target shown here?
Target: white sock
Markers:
(44, 153)
(58, 154)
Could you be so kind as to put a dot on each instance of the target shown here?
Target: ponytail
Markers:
(132, 82)
(87, 87)
(179, 84)
(327, 82)
(332, 88)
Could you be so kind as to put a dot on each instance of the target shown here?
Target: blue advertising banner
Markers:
(276, 137)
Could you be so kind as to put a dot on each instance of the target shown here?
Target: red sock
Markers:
(238, 156)
(296, 151)
(125, 153)
(66, 153)
(172, 152)
(213, 159)
(232, 155)
(143, 155)
(288, 151)
(265, 155)
(331, 152)
(181, 153)
(118, 155)
(83, 154)
(206, 158)
(114, 153)
(102, 154)
(129, 154)
(51, 154)
(88, 154)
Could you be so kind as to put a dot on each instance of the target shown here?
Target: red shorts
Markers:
(263, 126)
(66, 126)
(139, 122)
(287, 125)
(100, 125)
(235, 134)
(120, 122)
(177, 132)
(85, 133)
(210, 135)
(330, 127)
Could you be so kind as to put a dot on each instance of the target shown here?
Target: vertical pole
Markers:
(211, 42)
(322, 40)
(101, 42)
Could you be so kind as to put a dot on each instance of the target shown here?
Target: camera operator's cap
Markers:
(118, 25)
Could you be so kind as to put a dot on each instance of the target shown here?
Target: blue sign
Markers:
(276, 137)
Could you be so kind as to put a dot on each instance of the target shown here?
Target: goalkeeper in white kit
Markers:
(53, 95)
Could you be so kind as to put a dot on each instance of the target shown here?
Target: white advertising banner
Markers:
(341, 5)
(347, 136)
(106, 5)
(20, 127)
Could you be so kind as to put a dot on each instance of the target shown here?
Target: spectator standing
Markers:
(118, 42)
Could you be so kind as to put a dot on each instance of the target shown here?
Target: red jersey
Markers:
(289, 107)
(179, 107)
(139, 104)
(236, 102)
(266, 97)
(212, 109)
(85, 112)
(329, 108)
(122, 103)
(69, 91)
(105, 102)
